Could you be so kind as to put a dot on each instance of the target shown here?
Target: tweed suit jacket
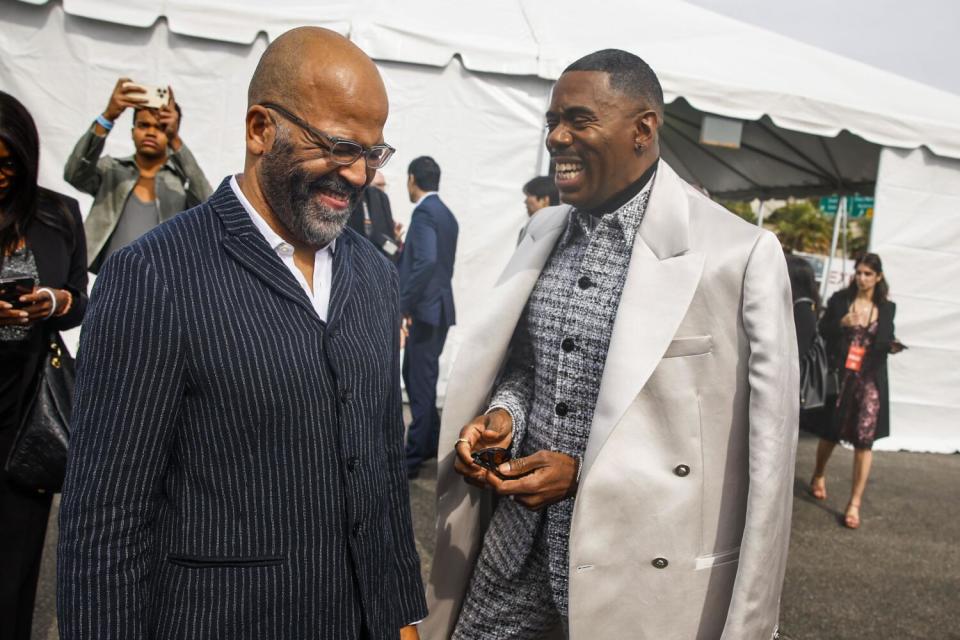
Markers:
(236, 464)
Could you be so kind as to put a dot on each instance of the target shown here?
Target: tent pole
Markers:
(825, 276)
(760, 213)
(845, 225)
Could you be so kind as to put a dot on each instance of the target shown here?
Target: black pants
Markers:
(23, 513)
(421, 368)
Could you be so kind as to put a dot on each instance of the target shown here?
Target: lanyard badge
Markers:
(855, 357)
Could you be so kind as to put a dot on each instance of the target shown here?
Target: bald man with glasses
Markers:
(237, 459)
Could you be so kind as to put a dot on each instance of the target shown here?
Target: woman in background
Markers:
(41, 237)
(858, 329)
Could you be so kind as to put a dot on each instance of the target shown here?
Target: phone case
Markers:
(155, 96)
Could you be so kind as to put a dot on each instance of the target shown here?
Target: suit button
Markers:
(682, 470)
(352, 463)
(567, 344)
(562, 409)
(660, 563)
(346, 396)
(584, 282)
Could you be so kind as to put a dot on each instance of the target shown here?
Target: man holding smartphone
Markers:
(134, 194)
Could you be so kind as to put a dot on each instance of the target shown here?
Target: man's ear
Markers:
(646, 126)
(261, 131)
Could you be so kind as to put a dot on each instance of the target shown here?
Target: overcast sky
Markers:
(919, 39)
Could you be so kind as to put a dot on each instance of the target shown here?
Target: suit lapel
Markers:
(342, 284)
(485, 348)
(246, 246)
(661, 280)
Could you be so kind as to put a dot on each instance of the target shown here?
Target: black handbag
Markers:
(38, 458)
(815, 375)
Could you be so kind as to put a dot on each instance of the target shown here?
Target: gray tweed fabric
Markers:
(550, 386)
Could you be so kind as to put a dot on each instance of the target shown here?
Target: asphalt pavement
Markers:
(895, 578)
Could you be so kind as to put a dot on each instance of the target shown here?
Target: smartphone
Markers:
(156, 97)
(12, 287)
(491, 458)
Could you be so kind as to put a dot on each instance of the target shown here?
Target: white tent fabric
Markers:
(468, 84)
(917, 234)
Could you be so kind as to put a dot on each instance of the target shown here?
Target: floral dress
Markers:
(858, 404)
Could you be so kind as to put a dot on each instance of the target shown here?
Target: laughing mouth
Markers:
(568, 170)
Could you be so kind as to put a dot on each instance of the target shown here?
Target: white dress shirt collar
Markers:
(425, 196)
(319, 296)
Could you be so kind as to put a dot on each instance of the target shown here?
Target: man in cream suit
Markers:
(639, 363)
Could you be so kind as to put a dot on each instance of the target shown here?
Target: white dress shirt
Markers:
(319, 296)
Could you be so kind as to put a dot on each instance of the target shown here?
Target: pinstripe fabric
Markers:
(236, 466)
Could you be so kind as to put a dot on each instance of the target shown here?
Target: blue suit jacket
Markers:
(426, 265)
(236, 464)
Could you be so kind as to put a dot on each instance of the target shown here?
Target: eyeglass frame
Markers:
(332, 141)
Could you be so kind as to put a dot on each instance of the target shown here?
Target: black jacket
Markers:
(875, 358)
(380, 231)
(236, 465)
(61, 257)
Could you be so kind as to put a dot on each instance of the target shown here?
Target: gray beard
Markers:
(291, 194)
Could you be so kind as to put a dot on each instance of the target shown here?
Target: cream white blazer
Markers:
(682, 519)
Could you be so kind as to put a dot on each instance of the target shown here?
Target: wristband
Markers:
(53, 300)
(103, 122)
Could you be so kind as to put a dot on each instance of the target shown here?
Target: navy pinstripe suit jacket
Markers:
(236, 464)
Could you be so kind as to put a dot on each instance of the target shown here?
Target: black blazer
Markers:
(236, 465)
(381, 220)
(61, 257)
(426, 264)
(875, 358)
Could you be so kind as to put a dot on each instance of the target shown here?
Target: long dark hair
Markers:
(803, 283)
(881, 289)
(22, 205)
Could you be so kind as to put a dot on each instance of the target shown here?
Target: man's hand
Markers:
(120, 99)
(405, 323)
(494, 429)
(409, 632)
(538, 480)
(398, 232)
(169, 119)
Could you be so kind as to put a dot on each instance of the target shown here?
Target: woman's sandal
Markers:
(851, 519)
(818, 487)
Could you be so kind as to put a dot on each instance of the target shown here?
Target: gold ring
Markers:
(459, 440)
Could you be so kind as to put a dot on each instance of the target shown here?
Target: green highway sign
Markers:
(857, 206)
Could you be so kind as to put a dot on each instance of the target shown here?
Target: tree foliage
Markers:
(801, 226)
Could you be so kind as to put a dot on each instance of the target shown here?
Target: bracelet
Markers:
(53, 301)
(103, 122)
(575, 485)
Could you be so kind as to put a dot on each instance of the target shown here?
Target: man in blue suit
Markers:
(426, 302)
(236, 458)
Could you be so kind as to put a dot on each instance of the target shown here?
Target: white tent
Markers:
(468, 84)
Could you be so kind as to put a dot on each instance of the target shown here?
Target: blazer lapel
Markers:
(342, 283)
(661, 280)
(246, 246)
(480, 358)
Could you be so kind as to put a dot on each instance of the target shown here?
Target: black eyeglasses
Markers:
(342, 151)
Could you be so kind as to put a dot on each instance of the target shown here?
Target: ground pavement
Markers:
(896, 578)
